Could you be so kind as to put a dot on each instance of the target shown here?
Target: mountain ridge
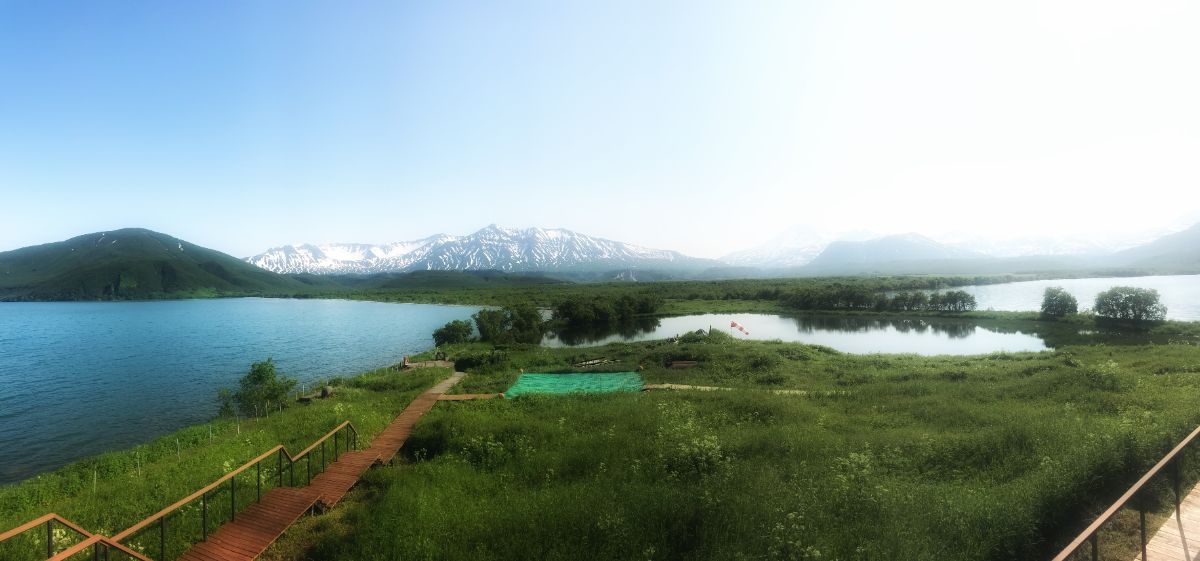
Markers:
(493, 248)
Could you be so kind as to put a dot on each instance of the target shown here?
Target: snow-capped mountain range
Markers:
(564, 251)
(493, 247)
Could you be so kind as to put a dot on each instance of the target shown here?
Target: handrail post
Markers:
(323, 455)
(162, 538)
(204, 516)
(96, 551)
(279, 469)
(232, 498)
(1175, 477)
(1142, 511)
(308, 466)
(335, 445)
(258, 482)
(49, 538)
(1096, 546)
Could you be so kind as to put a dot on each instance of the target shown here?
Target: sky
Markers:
(700, 126)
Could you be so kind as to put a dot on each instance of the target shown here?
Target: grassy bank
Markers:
(992, 457)
(111, 492)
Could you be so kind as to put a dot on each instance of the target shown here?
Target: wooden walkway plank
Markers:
(1178, 539)
(259, 525)
(469, 396)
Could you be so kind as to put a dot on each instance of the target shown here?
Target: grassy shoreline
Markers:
(112, 491)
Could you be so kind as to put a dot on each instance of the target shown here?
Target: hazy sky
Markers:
(699, 126)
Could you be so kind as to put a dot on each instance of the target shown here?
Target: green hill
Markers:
(131, 264)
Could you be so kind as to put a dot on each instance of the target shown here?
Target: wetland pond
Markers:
(851, 334)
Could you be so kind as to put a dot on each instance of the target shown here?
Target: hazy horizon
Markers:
(705, 128)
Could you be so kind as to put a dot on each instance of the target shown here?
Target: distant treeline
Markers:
(863, 298)
(857, 297)
(769, 290)
(581, 311)
(609, 306)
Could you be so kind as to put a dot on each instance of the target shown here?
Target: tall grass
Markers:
(998, 457)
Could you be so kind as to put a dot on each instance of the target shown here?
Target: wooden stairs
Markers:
(259, 525)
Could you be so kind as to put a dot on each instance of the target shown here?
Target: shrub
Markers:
(1131, 304)
(457, 331)
(260, 387)
(1057, 302)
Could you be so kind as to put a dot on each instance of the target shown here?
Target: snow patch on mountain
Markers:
(493, 247)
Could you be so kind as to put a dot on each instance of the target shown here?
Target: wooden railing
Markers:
(1091, 534)
(344, 436)
(97, 543)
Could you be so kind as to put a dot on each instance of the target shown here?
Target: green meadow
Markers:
(993, 457)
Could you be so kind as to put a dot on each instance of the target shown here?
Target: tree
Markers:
(515, 324)
(492, 325)
(1057, 302)
(958, 301)
(525, 323)
(1130, 303)
(261, 387)
(457, 331)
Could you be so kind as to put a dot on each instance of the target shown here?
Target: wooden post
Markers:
(232, 498)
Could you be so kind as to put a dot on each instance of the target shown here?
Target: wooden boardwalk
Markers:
(469, 396)
(1178, 539)
(256, 527)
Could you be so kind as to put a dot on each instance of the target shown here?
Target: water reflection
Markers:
(629, 331)
(950, 328)
(853, 334)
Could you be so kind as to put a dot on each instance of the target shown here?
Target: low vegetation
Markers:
(111, 492)
(863, 457)
(261, 390)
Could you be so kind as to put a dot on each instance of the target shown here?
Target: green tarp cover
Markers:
(570, 383)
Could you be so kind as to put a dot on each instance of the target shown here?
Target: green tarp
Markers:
(570, 383)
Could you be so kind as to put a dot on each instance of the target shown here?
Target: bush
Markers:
(516, 324)
(1131, 304)
(457, 331)
(1057, 302)
(261, 387)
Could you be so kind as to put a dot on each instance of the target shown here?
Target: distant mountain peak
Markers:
(888, 249)
(493, 247)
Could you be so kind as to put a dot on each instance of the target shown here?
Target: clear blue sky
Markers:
(699, 126)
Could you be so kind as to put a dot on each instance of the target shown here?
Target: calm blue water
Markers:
(1179, 293)
(850, 334)
(136, 370)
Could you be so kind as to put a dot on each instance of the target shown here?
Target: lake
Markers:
(1180, 293)
(132, 371)
(851, 334)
